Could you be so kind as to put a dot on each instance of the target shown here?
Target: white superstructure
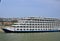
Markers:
(35, 24)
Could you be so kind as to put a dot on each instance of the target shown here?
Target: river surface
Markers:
(47, 36)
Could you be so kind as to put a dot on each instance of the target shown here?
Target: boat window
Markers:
(38, 29)
(41, 26)
(27, 29)
(27, 26)
(24, 29)
(30, 26)
(20, 29)
(41, 29)
(46, 29)
(35, 29)
(33, 26)
(20, 26)
(17, 29)
(38, 26)
(17, 26)
(49, 29)
(46, 26)
(24, 26)
(31, 29)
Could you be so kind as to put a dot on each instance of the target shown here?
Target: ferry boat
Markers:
(34, 24)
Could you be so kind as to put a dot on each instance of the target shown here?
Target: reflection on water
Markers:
(51, 36)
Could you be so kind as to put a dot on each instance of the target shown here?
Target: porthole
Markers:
(41, 29)
(24, 29)
(17, 29)
(38, 29)
(35, 29)
(21, 29)
(32, 29)
(46, 29)
(27, 29)
(38, 26)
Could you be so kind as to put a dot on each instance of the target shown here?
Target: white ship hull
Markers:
(8, 31)
(28, 31)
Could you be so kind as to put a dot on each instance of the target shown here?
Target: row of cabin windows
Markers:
(34, 26)
(39, 24)
(39, 21)
(33, 29)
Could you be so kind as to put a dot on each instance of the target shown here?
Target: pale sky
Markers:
(27, 8)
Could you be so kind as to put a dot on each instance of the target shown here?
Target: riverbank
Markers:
(1, 29)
